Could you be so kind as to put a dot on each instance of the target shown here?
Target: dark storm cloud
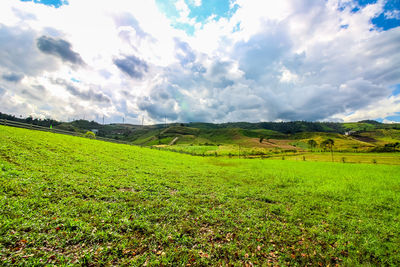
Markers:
(84, 95)
(259, 55)
(132, 66)
(18, 52)
(158, 111)
(31, 94)
(326, 100)
(219, 70)
(59, 48)
(161, 102)
(12, 77)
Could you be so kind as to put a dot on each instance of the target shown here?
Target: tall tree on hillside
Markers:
(328, 143)
(312, 143)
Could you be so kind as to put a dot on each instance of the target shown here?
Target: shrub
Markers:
(90, 135)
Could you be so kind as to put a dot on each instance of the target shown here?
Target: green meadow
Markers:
(234, 151)
(343, 157)
(68, 200)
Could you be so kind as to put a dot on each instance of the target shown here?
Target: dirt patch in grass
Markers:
(284, 144)
(364, 139)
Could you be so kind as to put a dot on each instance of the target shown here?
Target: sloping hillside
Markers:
(363, 136)
(68, 200)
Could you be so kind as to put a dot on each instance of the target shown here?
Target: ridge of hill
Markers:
(363, 136)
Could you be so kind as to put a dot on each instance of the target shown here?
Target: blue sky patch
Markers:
(396, 90)
(237, 27)
(168, 8)
(189, 29)
(384, 23)
(395, 118)
(356, 5)
(53, 3)
(218, 9)
(388, 19)
(363, 3)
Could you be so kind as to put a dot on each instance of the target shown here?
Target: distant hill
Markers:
(366, 135)
(360, 136)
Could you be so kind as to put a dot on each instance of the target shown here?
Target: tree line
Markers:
(47, 122)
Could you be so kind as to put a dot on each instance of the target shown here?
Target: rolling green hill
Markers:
(68, 200)
(266, 141)
(263, 138)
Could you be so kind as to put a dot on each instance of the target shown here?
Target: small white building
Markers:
(349, 133)
(95, 131)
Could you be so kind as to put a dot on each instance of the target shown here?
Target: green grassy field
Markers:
(69, 200)
(232, 151)
(369, 158)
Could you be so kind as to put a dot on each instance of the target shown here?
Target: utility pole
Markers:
(103, 119)
(123, 120)
(142, 120)
(165, 121)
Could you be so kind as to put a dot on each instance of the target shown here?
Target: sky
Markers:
(201, 60)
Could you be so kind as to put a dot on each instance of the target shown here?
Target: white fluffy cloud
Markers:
(292, 60)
